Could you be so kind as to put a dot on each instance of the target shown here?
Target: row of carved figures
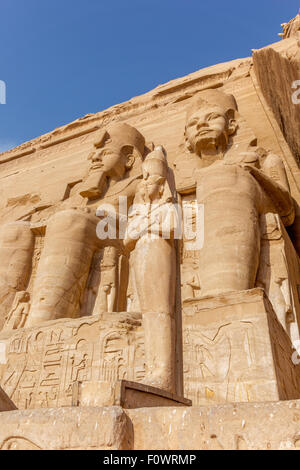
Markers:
(245, 195)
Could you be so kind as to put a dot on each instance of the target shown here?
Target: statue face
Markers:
(207, 128)
(111, 159)
(153, 185)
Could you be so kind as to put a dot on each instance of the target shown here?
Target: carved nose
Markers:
(201, 124)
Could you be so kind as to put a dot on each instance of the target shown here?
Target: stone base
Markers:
(235, 350)
(123, 393)
(253, 426)
(67, 428)
(41, 364)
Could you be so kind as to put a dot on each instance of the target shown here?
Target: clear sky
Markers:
(62, 59)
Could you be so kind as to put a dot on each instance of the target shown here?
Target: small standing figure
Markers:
(107, 298)
(150, 234)
(18, 314)
(189, 283)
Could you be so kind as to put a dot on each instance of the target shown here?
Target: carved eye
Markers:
(192, 123)
(213, 116)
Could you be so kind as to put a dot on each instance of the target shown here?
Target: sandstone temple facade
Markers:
(150, 281)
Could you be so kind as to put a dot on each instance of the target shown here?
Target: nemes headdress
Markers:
(120, 131)
(212, 97)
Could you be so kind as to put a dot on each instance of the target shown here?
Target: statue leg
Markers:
(63, 269)
(16, 251)
(229, 257)
(155, 274)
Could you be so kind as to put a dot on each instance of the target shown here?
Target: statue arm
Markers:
(272, 178)
(273, 167)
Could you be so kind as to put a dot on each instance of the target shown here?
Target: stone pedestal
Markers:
(40, 365)
(235, 350)
(69, 428)
(241, 426)
(124, 393)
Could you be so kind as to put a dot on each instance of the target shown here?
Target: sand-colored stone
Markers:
(235, 426)
(128, 395)
(5, 403)
(235, 350)
(67, 428)
(277, 70)
(277, 67)
(42, 364)
(292, 28)
(154, 265)
(203, 304)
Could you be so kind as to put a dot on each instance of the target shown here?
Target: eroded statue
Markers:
(237, 183)
(71, 240)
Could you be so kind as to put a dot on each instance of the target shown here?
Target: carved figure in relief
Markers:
(154, 267)
(17, 316)
(190, 284)
(273, 274)
(107, 298)
(132, 300)
(16, 251)
(101, 294)
(114, 356)
(236, 182)
(18, 443)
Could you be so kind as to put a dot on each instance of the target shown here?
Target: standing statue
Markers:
(102, 287)
(275, 272)
(107, 297)
(189, 282)
(149, 233)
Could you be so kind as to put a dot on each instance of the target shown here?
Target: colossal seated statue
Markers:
(70, 241)
(237, 183)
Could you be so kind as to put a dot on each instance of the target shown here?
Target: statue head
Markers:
(116, 148)
(210, 121)
(292, 28)
(109, 257)
(155, 171)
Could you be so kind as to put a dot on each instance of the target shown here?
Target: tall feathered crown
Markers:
(156, 163)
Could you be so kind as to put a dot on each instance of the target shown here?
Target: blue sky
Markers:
(62, 59)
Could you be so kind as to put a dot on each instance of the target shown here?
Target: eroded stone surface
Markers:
(66, 428)
(210, 313)
(236, 426)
